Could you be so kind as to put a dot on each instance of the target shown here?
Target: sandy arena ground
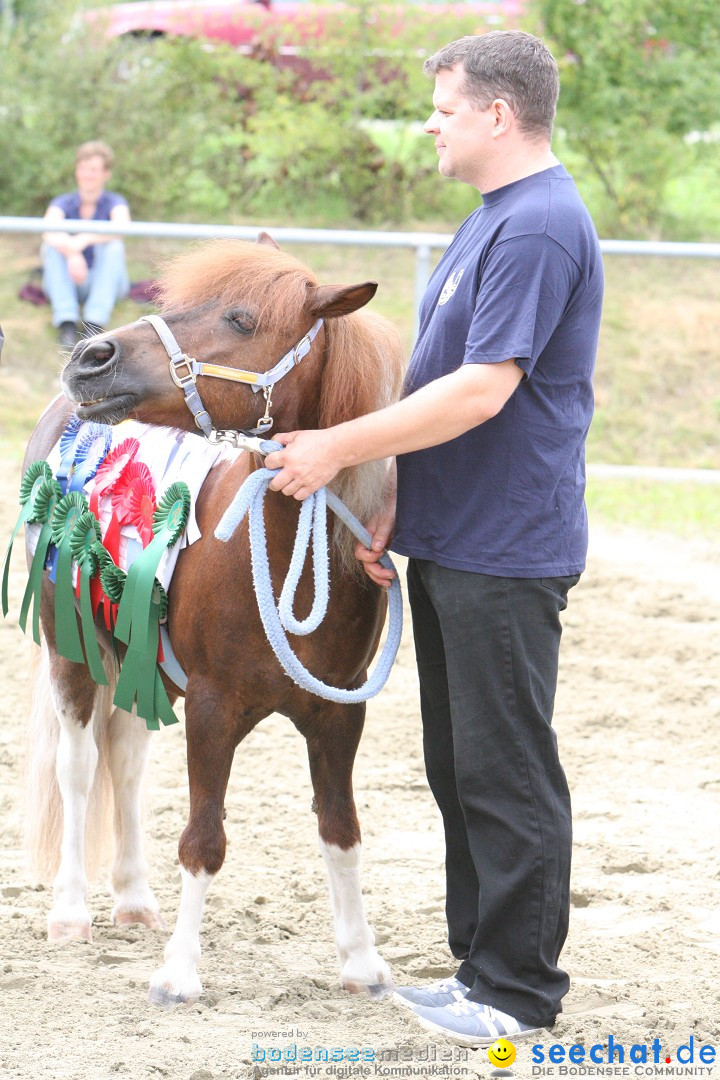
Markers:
(637, 719)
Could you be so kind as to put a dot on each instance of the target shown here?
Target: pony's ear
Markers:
(330, 301)
(266, 238)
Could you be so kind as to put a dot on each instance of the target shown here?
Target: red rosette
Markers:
(134, 502)
(111, 471)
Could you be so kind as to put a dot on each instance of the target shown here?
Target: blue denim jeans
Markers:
(487, 654)
(107, 282)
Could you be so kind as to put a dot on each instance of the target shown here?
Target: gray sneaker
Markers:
(471, 1023)
(434, 996)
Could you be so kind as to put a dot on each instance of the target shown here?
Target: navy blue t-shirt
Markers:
(522, 279)
(70, 204)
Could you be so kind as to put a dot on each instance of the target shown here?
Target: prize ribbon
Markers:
(140, 680)
(67, 449)
(46, 498)
(91, 448)
(109, 475)
(83, 538)
(133, 486)
(141, 609)
(30, 484)
(64, 519)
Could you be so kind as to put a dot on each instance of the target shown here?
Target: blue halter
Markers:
(257, 380)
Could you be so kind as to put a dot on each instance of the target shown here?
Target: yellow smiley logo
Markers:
(501, 1053)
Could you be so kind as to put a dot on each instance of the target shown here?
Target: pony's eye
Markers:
(242, 321)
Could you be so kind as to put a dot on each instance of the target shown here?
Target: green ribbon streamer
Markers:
(64, 519)
(29, 487)
(168, 523)
(112, 579)
(46, 498)
(83, 537)
(140, 680)
(140, 612)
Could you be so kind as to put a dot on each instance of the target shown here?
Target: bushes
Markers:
(210, 135)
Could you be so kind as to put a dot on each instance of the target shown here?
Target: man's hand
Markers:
(381, 528)
(308, 462)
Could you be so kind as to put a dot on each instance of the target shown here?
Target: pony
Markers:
(239, 306)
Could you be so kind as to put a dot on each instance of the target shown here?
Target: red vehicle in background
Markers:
(285, 24)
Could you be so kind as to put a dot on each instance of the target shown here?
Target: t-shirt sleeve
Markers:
(525, 286)
(64, 203)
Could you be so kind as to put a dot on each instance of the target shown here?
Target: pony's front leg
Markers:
(73, 696)
(210, 748)
(332, 743)
(129, 748)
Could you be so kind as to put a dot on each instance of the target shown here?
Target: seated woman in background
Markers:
(85, 268)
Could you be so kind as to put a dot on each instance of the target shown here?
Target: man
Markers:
(490, 441)
(85, 268)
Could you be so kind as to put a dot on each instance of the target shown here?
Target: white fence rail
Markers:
(423, 244)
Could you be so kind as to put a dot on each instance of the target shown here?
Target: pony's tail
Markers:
(43, 815)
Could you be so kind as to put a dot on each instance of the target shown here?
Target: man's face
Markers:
(91, 175)
(462, 132)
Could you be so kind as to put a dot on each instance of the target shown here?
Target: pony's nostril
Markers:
(97, 354)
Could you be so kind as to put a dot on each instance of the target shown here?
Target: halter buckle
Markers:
(182, 380)
(304, 341)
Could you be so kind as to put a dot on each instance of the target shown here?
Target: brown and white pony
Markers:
(244, 306)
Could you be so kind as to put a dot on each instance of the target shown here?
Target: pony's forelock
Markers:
(271, 282)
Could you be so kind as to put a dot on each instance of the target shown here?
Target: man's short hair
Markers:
(95, 149)
(506, 64)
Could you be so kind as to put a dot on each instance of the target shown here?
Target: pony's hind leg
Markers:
(332, 740)
(129, 748)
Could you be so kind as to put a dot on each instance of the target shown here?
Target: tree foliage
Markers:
(640, 85)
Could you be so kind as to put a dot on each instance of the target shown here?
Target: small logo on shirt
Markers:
(450, 286)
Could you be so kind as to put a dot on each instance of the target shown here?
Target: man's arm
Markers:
(436, 413)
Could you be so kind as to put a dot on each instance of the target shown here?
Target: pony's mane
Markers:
(364, 360)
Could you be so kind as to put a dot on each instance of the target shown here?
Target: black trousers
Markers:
(487, 655)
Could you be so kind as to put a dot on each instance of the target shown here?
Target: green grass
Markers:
(657, 381)
(690, 511)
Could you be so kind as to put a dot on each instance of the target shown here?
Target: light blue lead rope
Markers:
(278, 619)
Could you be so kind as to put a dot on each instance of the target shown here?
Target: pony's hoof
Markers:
(164, 999)
(67, 931)
(367, 975)
(170, 987)
(376, 991)
(146, 917)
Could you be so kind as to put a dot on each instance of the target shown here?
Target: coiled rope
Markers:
(279, 619)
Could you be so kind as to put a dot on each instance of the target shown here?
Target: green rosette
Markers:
(29, 487)
(169, 521)
(83, 539)
(65, 517)
(140, 611)
(46, 498)
(112, 579)
(102, 557)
